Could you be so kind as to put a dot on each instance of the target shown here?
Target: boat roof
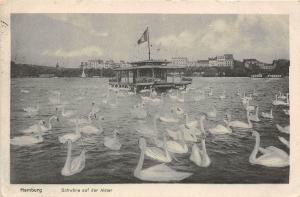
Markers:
(170, 67)
(150, 62)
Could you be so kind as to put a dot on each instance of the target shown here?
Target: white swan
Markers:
(212, 113)
(286, 111)
(161, 155)
(71, 136)
(220, 129)
(32, 111)
(73, 165)
(284, 141)
(68, 113)
(190, 123)
(200, 157)
(223, 95)
(90, 129)
(169, 118)
(156, 173)
(271, 156)
(285, 129)
(281, 96)
(240, 124)
(40, 127)
(254, 116)
(278, 102)
(28, 140)
(249, 107)
(113, 143)
(179, 146)
(24, 91)
(267, 115)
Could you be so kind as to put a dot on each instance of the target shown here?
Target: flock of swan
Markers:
(162, 146)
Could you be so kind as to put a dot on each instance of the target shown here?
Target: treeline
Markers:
(238, 70)
(27, 70)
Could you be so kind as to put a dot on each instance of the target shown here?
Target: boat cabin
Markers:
(156, 74)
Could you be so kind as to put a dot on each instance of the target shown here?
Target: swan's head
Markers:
(254, 133)
(42, 122)
(142, 143)
(55, 118)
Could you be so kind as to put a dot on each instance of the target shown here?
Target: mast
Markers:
(148, 38)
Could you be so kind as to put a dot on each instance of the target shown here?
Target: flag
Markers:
(144, 37)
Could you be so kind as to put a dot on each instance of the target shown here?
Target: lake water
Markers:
(42, 163)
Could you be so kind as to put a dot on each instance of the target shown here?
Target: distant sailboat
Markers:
(83, 75)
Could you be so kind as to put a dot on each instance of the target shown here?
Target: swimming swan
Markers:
(271, 156)
(240, 124)
(254, 117)
(40, 127)
(212, 113)
(285, 129)
(28, 140)
(75, 165)
(179, 146)
(221, 129)
(157, 173)
(278, 102)
(267, 115)
(113, 143)
(68, 113)
(161, 155)
(71, 136)
(200, 157)
(284, 141)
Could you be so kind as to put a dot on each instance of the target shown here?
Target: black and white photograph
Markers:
(149, 98)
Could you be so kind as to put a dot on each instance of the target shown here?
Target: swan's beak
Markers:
(57, 119)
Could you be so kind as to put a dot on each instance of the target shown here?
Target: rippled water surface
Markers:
(42, 163)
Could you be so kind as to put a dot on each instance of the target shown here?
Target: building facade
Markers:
(225, 60)
(180, 61)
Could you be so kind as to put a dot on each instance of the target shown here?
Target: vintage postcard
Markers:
(154, 98)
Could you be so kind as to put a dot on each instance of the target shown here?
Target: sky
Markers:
(45, 39)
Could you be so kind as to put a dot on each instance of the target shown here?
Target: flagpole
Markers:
(148, 38)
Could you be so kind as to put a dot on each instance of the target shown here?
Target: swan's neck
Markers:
(256, 112)
(248, 119)
(206, 159)
(49, 123)
(139, 166)
(68, 160)
(252, 157)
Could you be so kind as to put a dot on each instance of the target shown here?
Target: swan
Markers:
(28, 140)
(249, 107)
(212, 113)
(210, 93)
(89, 129)
(284, 141)
(113, 143)
(286, 111)
(220, 129)
(238, 93)
(267, 115)
(223, 95)
(178, 146)
(178, 110)
(271, 156)
(200, 157)
(254, 117)
(161, 155)
(138, 112)
(32, 111)
(24, 91)
(68, 113)
(239, 124)
(157, 173)
(278, 102)
(281, 96)
(73, 165)
(147, 131)
(285, 129)
(40, 127)
(190, 123)
(169, 118)
(71, 136)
